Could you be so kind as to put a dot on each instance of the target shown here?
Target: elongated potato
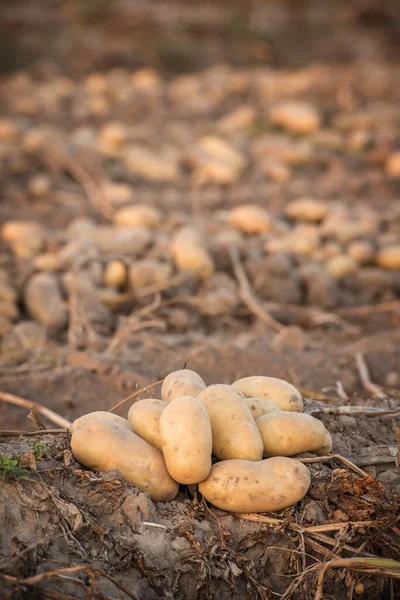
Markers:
(234, 431)
(243, 486)
(102, 445)
(185, 431)
(260, 407)
(181, 383)
(289, 433)
(284, 394)
(100, 414)
(144, 416)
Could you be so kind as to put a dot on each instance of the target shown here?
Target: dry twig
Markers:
(247, 295)
(367, 384)
(42, 410)
(135, 394)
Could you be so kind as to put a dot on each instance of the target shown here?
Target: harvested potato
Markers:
(297, 117)
(144, 416)
(148, 272)
(250, 218)
(389, 257)
(340, 266)
(260, 407)
(307, 209)
(186, 438)
(234, 431)
(282, 393)
(243, 486)
(138, 215)
(43, 300)
(289, 433)
(115, 273)
(182, 383)
(102, 445)
(189, 253)
(100, 414)
(26, 238)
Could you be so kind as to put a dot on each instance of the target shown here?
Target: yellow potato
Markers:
(250, 218)
(234, 431)
(282, 393)
(181, 383)
(135, 215)
(260, 407)
(190, 253)
(243, 486)
(185, 431)
(144, 416)
(289, 433)
(100, 414)
(102, 445)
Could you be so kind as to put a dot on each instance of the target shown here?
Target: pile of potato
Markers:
(251, 428)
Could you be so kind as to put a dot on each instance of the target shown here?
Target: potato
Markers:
(182, 383)
(282, 393)
(147, 271)
(144, 416)
(185, 431)
(260, 407)
(138, 215)
(250, 218)
(234, 431)
(288, 433)
(190, 253)
(102, 445)
(243, 486)
(100, 414)
(115, 273)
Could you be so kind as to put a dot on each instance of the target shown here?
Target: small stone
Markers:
(43, 300)
(138, 215)
(307, 209)
(314, 513)
(392, 165)
(296, 117)
(347, 421)
(389, 258)
(340, 266)
(115, 274)
(250, 218)
(27, 461)
(39, 185)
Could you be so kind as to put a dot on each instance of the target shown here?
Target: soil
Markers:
(302, 323)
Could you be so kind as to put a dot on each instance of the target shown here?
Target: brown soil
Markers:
(107, 532)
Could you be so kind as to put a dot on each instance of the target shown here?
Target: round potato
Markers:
(288, 433)
(102, 445)
(243, 486)
(100, 414)
(144, 416)
(260, 407)
(185, 431)
(181, 383)
(284, 394)
(234, 431)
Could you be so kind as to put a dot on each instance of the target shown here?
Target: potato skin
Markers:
(185, 431)
(284, 394)
(243, 486)
(234, 432)
(100, 414)
(260, 407)
(289, 433)
(181, 383)
(102, 445)
(144, 416)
